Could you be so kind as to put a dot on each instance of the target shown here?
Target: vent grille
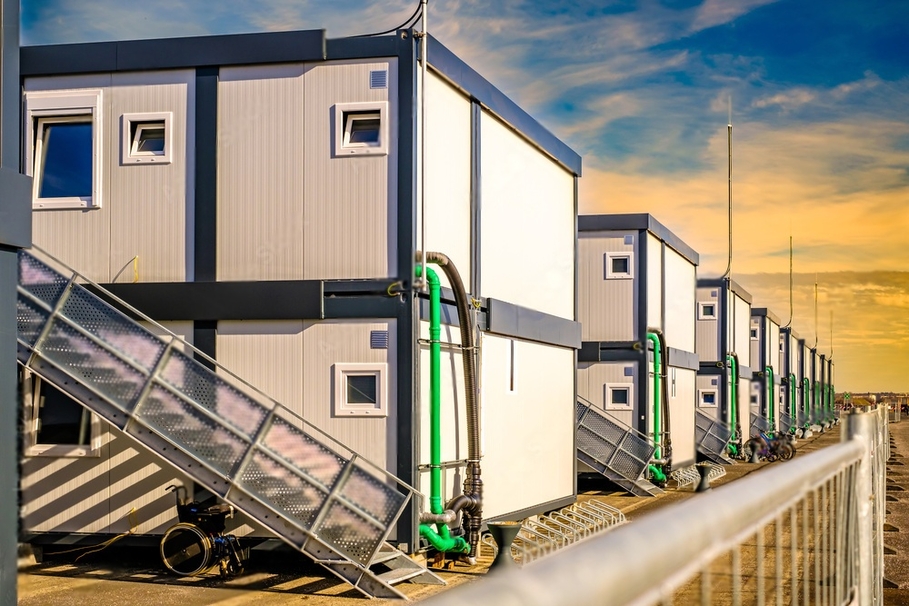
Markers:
(378, 339)
(629, 240)
(378, 79)
(713, 381)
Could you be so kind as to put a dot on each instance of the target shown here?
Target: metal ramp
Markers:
(787, 423)
(613, 449)
(262, 458)
(759, 424)
(712, 436)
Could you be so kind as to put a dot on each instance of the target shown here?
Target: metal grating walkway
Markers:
(613, 449)
(712, 436)
(251, 451)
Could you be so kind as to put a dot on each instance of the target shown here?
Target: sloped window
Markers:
(147, 138)
(360, 390)
(361, 129)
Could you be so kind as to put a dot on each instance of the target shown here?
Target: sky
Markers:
(819, 99)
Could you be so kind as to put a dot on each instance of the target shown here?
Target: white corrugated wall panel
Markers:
(654, 284)
(743, 407)
(755, 347)
(447, 176)
(149, 203)
(350, 226)
(528, 219)
(741, 343)
(773, 347)
(707, 345)
(602, 374)
(261, 169)
(328, 342)
(681, 417)
(81, 239)
(266, 353)
(606, 308)
(681, 306)
(527, 433)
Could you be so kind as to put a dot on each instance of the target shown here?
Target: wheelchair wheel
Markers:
(186, 550)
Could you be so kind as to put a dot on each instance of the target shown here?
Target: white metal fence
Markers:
(807, 532)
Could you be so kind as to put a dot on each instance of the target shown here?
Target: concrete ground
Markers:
(118, 575)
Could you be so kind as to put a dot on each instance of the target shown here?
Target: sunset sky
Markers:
(820, 106)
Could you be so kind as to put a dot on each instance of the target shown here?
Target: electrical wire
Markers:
(407, 24)
(133, 518)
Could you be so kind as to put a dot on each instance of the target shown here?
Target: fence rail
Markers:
(807, 532)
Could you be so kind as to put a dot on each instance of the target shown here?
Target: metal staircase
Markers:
(252, 452)
(613, 449)
(711, 436)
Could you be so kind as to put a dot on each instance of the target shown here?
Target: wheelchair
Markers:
(197, 543)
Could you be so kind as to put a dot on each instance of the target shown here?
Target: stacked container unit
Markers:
(765, 361)
(789, 365)
(636, 290)
(724, 349)
(260, 196)
(804, 381)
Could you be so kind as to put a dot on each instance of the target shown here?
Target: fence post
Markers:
(862, 426)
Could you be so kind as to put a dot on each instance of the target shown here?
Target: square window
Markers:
(63, 143)
(360, 390)
(706, 311)
(147, 138)
(618, 396)
(57, 425)
(618, 266)
(360, 129)
(707, 398)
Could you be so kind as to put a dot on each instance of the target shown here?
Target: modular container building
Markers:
(260, 196)
(724, 350)
(765, 360)
(804, 379)
(790, 402)
(636, 289)
(814, 385)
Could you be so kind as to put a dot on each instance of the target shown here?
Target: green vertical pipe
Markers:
(806, 393)
(657, 370)
(792, 407)
(734, 392)
(769, 371)
(442, 540)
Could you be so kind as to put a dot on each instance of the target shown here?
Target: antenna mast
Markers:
(789, 323)
(729, 212)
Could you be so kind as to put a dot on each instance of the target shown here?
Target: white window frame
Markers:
(31, 390)
(608, 274)
(716, 395)
(342, 408)
(704, 316)
(607, 396)
(42, 107)
(369, 110)
(128, 142)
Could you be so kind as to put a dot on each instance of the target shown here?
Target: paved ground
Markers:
(136, 577)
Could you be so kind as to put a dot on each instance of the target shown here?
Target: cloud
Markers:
(718, 12)
(787, 101)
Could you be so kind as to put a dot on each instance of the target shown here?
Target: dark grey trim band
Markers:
(764, 312)
(205, 194)
(467, 79)
(638, 221)
(679, 358)
(15, 207)
(610, 351)
(205, 335)
(511, 320)
(173, 53)
(363, 47)
(723, 283)
(276, 300)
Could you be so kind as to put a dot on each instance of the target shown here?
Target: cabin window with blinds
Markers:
(63, 144)
(360, 129)
(56, 424)
(146, 138)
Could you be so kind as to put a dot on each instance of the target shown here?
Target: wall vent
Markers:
(713, 381)
(378, 339)
(378, 79)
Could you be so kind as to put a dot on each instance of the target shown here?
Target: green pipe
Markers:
(769, 371)
(733, 400)
(806, 388)
(792, 405)
(657, 473)
(441, 538)
(657, 370)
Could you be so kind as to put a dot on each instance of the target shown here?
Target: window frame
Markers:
(49, 107)
(608, 404)
(31, 402)
(129, 140)
(609, 274)
(345, 114)
(702, 392)
(341, 407)
(704, 316)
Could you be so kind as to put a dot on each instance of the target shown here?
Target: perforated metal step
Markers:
(613, 449)
(307, 488)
